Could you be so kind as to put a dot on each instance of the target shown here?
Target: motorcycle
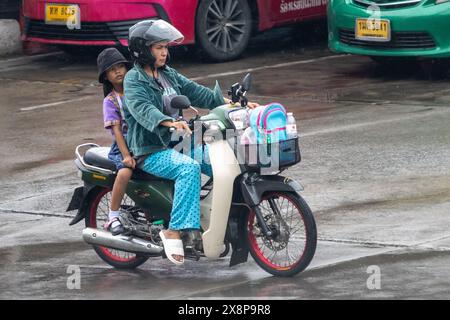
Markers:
(243, 209)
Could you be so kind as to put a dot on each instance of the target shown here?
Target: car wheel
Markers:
(223, 28)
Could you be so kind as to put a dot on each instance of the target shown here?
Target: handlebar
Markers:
(172, 129)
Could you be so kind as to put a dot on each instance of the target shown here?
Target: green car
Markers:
(390, 28)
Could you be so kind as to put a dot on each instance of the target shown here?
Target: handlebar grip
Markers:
(180, 131)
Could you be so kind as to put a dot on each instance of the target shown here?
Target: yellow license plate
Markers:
(373, 30)
(61, 14)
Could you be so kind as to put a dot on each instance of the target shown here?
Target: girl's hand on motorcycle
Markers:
(252, 105)
(129, 162)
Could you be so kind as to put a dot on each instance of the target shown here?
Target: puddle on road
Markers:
(38, 252)
(41, 271)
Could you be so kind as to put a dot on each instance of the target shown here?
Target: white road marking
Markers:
(273, 66)
(41, 106)
(36, 213)
(30, 58)
(22, 68)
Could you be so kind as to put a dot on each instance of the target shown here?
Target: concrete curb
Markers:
(10, 42)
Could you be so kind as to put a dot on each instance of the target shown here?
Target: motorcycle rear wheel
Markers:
(98, 210)
(293, 246)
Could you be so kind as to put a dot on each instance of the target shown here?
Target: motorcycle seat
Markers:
(98, 157)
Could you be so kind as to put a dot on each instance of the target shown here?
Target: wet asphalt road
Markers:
(375, 167)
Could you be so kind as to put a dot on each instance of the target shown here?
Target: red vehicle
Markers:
(221, 28)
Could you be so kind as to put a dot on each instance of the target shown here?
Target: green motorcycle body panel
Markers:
(98, 179)
(155, 197)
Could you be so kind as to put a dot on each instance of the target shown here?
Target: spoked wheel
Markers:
(293, 244)
(223, 28)
(97, 218)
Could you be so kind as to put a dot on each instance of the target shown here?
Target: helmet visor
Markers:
(161, 30)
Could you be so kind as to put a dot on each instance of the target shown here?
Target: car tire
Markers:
(223, 28)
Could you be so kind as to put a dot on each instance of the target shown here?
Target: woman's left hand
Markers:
(252, 105)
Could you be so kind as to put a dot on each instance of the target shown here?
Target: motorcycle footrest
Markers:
(191, 254)
(187, 255)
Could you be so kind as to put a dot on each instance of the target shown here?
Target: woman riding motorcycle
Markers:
(149, 87)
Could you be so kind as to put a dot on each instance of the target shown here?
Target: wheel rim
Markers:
(288, 248)
(99, 217)
(225, 24)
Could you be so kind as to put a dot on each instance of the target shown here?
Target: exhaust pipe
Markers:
(126, 243)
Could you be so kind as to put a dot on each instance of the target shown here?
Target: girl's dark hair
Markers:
(107, 86)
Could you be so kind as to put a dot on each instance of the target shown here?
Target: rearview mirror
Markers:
(180, 102)
(247, 82)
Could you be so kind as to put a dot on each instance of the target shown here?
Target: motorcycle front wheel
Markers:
(97, 217)
(292, 246)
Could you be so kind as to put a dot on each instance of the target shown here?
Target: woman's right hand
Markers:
(178, 125)
(181, 126)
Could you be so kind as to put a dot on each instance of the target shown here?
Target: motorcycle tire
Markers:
(95, 218)
(265, 250)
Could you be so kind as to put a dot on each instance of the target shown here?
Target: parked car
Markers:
(390, 29)
(221, 28)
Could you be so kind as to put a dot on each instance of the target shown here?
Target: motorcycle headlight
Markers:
(214, 131)
(239, 118)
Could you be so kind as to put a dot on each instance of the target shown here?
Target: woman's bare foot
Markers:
(173, 234)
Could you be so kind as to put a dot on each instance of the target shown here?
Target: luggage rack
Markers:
(88, 166)
(257, 157)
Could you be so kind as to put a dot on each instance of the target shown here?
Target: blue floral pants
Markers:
(186, 171)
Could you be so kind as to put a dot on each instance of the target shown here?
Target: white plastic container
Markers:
(291, 126)
(248, 137)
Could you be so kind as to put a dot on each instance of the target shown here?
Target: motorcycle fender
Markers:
(239, 243)
(254, 187)
(77, 197)
(79, 201)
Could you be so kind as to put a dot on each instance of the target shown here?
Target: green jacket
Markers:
(143, 107)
